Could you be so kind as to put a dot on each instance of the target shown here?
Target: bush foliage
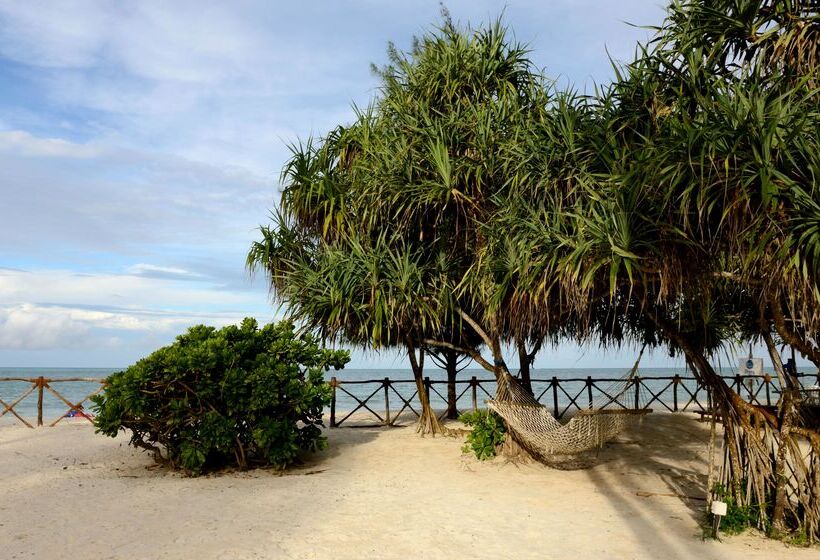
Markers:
(487, 434)
(738, 518)
(240, 395)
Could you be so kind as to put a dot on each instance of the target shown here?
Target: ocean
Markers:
(53, 407)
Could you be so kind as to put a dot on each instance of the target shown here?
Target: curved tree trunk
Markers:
(749, 456)
(792, 338)
(760, 448)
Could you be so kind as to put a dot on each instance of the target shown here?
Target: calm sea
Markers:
(75, 391)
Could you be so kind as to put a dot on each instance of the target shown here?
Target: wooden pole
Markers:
(637, 393)
(767, 379)
(474, 385)
(386, 401)
(333, 402)
(589, 390)
(675, 383)
(40, 385)
(555, 396)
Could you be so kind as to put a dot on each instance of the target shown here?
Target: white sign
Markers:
(751, 366)
(719, 508)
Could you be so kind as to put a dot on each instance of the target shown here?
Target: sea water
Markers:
(402, 380)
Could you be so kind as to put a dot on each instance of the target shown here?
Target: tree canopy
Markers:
(473, 203)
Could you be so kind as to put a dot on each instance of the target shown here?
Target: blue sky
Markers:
(141, 142)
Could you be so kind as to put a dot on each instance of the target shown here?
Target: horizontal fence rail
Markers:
(24, 389)
(384, 400)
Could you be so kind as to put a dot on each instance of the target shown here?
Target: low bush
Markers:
(738, 518)
(487, 434)
(240, 395)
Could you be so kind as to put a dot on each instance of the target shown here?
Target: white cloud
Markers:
(37, 327)
(140, 144)
(22, 143)
(57, 309)
(110, 198)
(28, 328)
(57, 34)
(152, 270)
(122, 291)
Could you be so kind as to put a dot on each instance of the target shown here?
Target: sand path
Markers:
(375, 493)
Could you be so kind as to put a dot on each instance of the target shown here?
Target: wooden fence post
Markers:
(589, 390)
(675, 383)
(333, 402)
(40, 386)
(555, 396)
(767, 379)
(427, 390)
(637, 393)
(386, 401)
(474, 385)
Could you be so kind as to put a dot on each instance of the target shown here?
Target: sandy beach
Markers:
(374, 493)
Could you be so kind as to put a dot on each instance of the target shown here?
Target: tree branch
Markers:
(477, 328)
(790, 337)
(475, 355)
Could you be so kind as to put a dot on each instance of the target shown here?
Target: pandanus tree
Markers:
(379, 226)
(676, 207)
(679, 207)
(749, 110)
(697, 211)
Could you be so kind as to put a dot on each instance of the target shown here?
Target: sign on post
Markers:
(751, 366)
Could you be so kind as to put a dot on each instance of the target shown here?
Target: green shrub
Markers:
(237, 396)
(487, 434)
(738, 518)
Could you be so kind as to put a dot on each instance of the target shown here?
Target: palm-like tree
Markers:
(713, 161)
(472, 203)
(379, 225)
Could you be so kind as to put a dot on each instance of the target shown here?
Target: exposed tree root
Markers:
(429, 424)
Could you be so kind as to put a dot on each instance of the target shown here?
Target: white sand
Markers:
(375, 493)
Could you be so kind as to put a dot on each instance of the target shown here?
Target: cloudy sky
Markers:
(141, 142)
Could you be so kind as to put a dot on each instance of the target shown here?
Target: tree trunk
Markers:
(723, 403)
(524, 363)
(451, 357)
(786, 413)
(724, 400)
(790, 336)
(428, 422)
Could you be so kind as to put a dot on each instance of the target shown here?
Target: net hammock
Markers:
(534, 427)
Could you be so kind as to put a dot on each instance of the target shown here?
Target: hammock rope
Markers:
(540, 433)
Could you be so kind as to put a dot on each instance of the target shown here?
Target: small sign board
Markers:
(751, 366)
(719, 508)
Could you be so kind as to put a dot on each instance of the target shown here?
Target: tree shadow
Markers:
(649, 472)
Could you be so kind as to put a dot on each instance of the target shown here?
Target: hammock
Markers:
(534, 427)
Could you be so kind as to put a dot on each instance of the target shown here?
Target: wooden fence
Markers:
(383, 401)
(675, 393)
(41, 385)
